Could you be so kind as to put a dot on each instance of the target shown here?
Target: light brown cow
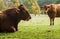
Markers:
(53, 10)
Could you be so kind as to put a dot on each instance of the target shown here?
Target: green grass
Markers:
(36, 28)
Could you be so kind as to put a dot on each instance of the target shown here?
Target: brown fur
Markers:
(10, 18)
(53, 10)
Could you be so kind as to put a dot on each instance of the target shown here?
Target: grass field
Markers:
(36, 28)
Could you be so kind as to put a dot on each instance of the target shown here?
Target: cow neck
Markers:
(17, 17)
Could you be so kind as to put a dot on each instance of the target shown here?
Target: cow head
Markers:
(23, 13)
(45, 8)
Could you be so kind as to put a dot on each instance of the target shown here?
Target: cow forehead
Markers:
(46, 6)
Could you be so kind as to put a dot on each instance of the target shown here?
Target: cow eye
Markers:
(48, 7)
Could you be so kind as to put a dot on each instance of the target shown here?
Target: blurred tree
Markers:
(15, 3)
(32, 6)
(8, 3)
(58, 2)
(2, 5)
(11, 3)
(43, 2)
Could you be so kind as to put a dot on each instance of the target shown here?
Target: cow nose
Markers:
(29, 17)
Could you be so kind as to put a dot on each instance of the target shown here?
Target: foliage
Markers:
(58, 2)
(32, 6)
(2, 5)
(15, 2)
(43, 2)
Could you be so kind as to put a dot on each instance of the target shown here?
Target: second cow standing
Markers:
(53, 10)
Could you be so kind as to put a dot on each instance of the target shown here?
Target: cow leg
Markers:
(11, 29)
(16, 27)
(51, 21)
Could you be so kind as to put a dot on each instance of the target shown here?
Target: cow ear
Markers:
(21, 5)
(51, 6)
(48, 7)
(17, 9)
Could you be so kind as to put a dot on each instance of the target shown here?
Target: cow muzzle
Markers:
(28, 18)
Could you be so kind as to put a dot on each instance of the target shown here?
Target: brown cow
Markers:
(10, 18)
(53, 10)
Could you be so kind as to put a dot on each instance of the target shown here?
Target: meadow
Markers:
(36, 28)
